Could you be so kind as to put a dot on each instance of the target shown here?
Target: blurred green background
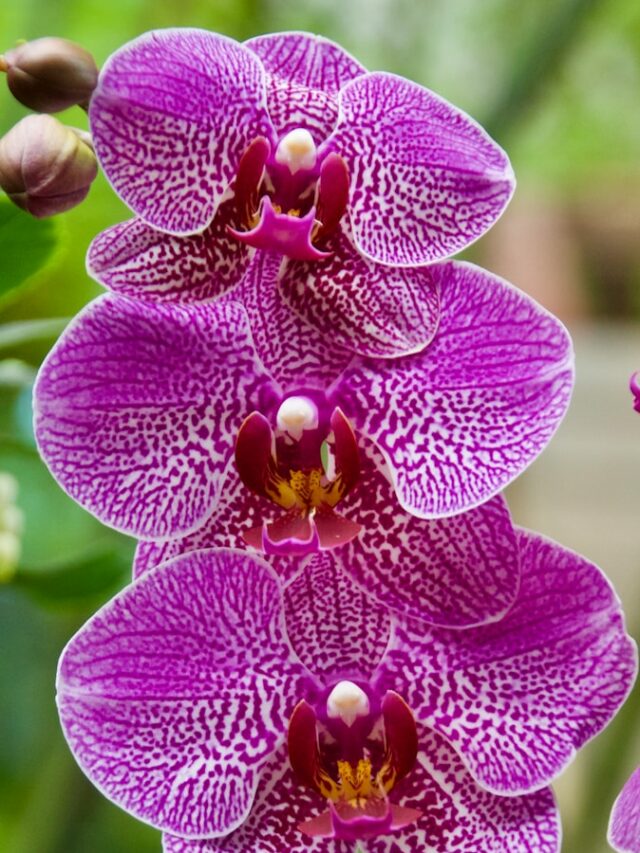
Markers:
(557, 82)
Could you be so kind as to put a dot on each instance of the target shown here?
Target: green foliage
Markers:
(26, 245)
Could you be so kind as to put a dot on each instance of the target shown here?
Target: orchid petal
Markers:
(457, 571)
(293, 352)
(426, 180)
(624, 825)
(368, 308)
(460, 420)
(281, 803)
(305, 72)
(137, 406)
(135, 260)
(170, 118)
(177, 692)
(460, 817)
(518, 698)
(337, 631)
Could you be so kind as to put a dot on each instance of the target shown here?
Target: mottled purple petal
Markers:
(176, 693)
(137, 406)
(456, 571)
(135, 260)
(294, 353)
(368, 308)
(171, 116)
(281, 803)
(517, 699)
(238, 509)
(624, 825)
(426, 180)
(305, 72)
(464, 417)
(460, 817)
(336, 630)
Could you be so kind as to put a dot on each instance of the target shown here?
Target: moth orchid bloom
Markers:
(634, 386)
(235, 156)
(141, 414)
(624, 825)
(233, 711)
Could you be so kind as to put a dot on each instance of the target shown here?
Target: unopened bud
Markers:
(50, 74)
(9, 555)
(45, 167)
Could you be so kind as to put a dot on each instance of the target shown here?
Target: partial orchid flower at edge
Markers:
(624, 824)
(178, 699)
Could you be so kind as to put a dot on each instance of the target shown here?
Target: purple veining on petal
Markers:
(336, 630)
(137, 406)
(460, 817)
(426, 179)
(456, 572)
(237, 509)
(369, 308)
(177, 692)
(170, 118)
(305, 72)
(133, 259)
(461, 419)
(517, 698)
(624, 824)
(293, 352)
(272, 825)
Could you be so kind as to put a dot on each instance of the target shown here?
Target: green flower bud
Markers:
(45, 167)
(50, 74)
(11, 525)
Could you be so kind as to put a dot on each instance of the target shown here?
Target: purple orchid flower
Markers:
(235, 712)
(140, 410)
(634, 387)
(229, 152)
(624, 825)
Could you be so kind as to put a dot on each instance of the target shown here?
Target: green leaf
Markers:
(92, 574)
(27, 331)
(26, 245)
(56, 529)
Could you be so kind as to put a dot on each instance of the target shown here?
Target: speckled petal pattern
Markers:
(281, 803)
(237, 510)
(460, 420)
(137, 406)
(368, 308)
(133, 259)
(305, 72)
(460, 817)
(336, 630)
(457, 571)
(426, 180)
(518, 698)
(170, 118)
(293, 352)
(624, 826)
(174, 695)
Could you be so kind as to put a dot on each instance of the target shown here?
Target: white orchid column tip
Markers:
(297, 414)
(297, 150)
(347, 701)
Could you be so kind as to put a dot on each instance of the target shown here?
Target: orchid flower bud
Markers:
(45, 167)
(50, 74)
